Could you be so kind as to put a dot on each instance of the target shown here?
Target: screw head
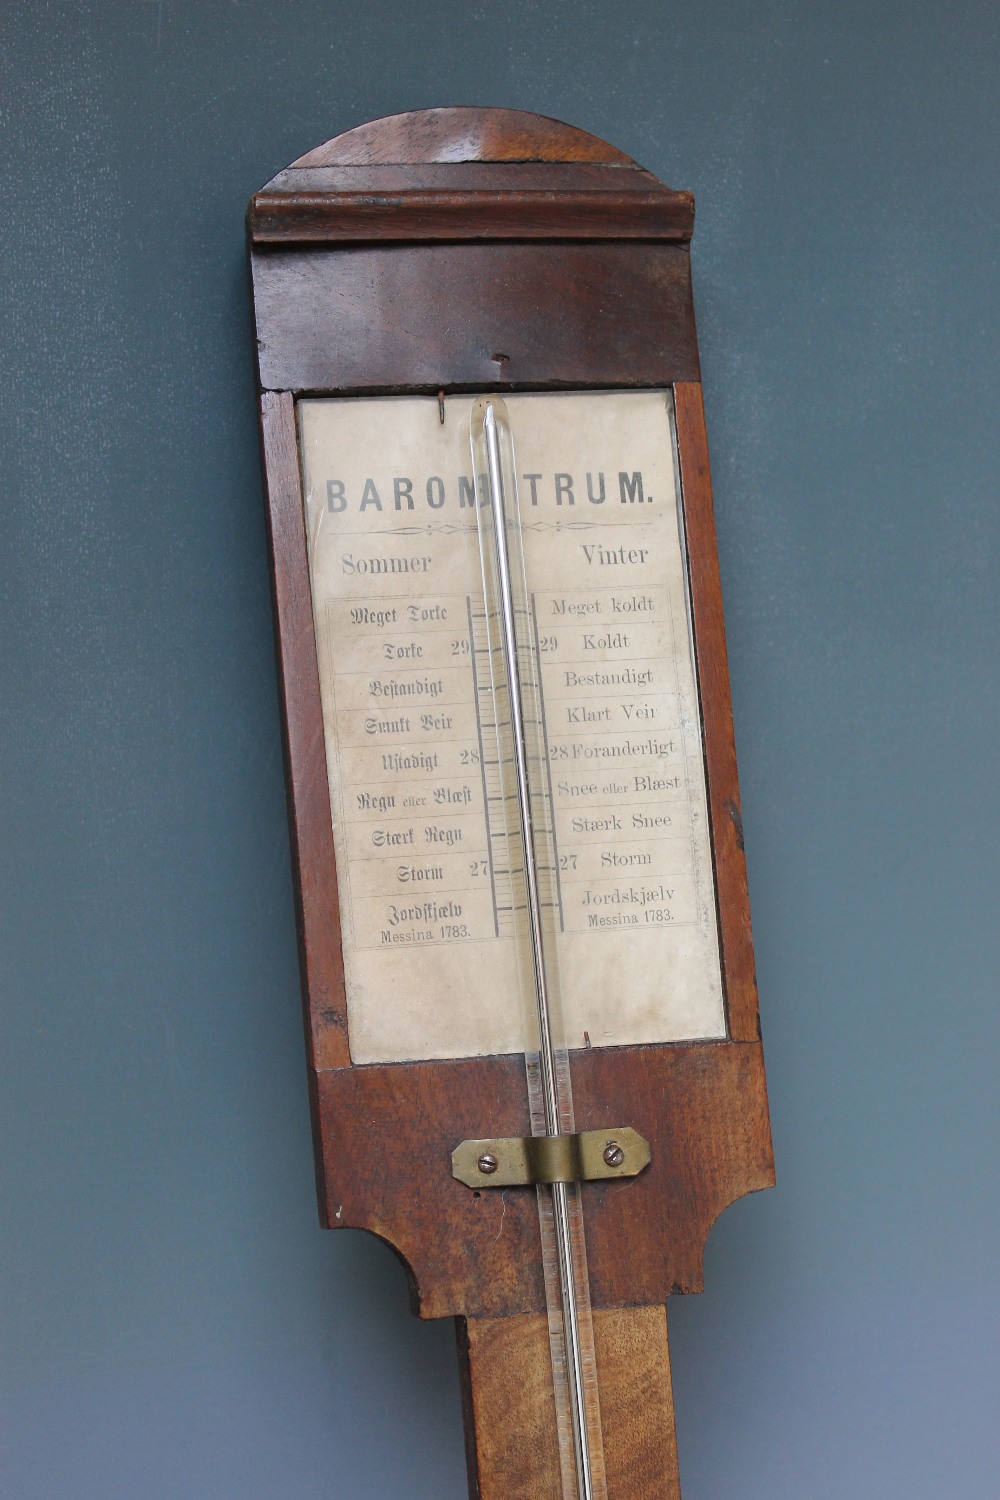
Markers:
(487, 1163)
(613, 1154)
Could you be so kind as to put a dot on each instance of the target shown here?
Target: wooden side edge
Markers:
(720, 747)
(314, 865)
(468, 1408)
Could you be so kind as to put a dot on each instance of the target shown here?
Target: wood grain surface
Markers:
(306, 781)
(729, 860)
(499, 315)
(388, 1131)
(462, 133)
(510, 1414)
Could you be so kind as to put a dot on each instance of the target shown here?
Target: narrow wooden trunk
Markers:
(510, 1418)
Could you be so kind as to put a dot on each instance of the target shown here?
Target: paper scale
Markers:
(398, 271)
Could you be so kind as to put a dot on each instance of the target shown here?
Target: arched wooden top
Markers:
(459, 134)
(466, 174)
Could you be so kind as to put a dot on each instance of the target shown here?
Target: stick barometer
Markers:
(533, 1043)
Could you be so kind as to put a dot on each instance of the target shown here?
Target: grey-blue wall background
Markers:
(174, 1324)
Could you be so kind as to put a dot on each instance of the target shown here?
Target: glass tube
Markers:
(523, 798)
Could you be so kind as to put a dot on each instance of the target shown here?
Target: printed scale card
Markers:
(430, 958)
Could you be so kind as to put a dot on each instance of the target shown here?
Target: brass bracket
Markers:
(519, 1161)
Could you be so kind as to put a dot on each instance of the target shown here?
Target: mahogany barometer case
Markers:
(531, 1014)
